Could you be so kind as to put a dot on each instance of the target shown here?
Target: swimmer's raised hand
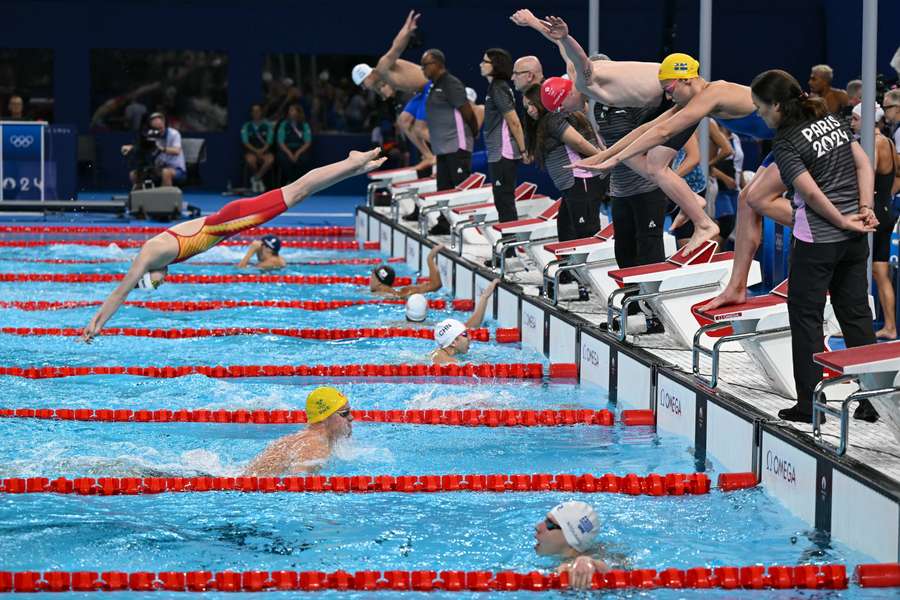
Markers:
(90, 330)
(555, 28)
(411, 24)
(365, 162)
(435, 249)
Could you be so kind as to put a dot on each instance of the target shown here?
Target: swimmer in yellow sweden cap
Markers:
(328, 420)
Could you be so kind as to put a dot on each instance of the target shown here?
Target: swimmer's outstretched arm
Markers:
(155, 254)
(319, 179)
(434, 282)
(592, 162)
(525, 18)
(398, 46)
(477, 317)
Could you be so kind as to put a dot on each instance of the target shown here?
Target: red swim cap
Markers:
(554, 91)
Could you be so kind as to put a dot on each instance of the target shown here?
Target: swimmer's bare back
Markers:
(403, 75)
(301, 452)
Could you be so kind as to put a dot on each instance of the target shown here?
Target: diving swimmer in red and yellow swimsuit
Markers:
(184, 240)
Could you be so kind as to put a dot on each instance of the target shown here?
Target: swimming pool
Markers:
(219, 531)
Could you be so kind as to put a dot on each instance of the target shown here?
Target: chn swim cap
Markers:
(554, 91)
(385, 275)
(272, 243)
(146, 282)
(578, 522)
(879, 112)
(416, 308)
(447, 331)
(323, 402)
(360, 72)
(472, 95)
(678, 66)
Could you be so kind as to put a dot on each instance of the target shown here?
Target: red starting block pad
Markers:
(874, 358)
(755, 307)
(583, 245)
(471, 189)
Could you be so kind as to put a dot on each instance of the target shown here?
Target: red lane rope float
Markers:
(198, 279)
(468, 370)
(459, 418)
(191, 306)
(478, 335)
(327, 231)
(756, 577)
(672, 484)
(211, 263)
(309, 244)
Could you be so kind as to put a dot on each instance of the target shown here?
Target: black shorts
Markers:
(679, 139)
(452, 169)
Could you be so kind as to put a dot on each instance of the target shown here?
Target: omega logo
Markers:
(530, 321)
(782, 468)
(590, 355)
(671, 402)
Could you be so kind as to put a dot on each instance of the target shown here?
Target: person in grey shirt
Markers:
(503, 135)
(452, 126)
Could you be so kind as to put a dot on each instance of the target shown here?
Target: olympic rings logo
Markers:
(21, 141)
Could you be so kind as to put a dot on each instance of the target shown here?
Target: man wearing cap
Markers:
(452, 336)
(569, 531)
(383, 276)
(266, 250)
(328, 419)
(398, 75)
(623, 84)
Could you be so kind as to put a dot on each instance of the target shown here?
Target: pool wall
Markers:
(854, 502)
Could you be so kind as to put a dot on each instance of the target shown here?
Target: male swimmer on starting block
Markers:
(184, 240)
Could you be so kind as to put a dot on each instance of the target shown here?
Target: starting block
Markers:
(517, 234)
(876, 368)
(403, 194)
(467, 220)
(762, 328)
(672, 288)
(381, 180)
(573, 256)
(469, 191)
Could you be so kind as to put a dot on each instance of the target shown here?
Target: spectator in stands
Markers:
(168, 165)
(891, 106)
(294, 141)
(266, 250)
(452, 336)
(820, 86)
(526, 72)
(854, 92)
(446, 108)
(569, 531)
(257, 135)
(16, 108)
(503, 133)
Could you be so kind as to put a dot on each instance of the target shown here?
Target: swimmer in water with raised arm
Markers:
(184, 240)
(452, 336)
(569, 530)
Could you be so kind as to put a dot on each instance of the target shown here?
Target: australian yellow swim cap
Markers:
(678, 66)
(323, 402)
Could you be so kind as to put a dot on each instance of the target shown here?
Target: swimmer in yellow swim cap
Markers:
(328, 420)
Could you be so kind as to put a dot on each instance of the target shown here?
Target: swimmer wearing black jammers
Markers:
(184, 240)
(383, 276)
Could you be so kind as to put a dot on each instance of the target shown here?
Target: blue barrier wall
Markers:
(749, 36)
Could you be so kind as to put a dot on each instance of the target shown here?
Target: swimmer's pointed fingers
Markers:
(556, 27)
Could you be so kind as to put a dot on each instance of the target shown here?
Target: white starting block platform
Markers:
(876, 369)
(672, 288)
(469, 220)
(762, 328)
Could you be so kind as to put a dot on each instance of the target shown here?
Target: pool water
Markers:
(302, 531)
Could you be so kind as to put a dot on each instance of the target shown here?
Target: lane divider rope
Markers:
(213, 263)
(198, 279)
(468, 371)
(326, 231)
(672, 484)
(459, 418)
(309, 244)
(204, 305)
(755, 577)
(425, 333)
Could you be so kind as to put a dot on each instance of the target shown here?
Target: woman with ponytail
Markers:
(832, 183)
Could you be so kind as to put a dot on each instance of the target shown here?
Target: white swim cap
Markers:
(578, 522)
(448, 330)
(879, 112)
(416, 308)
(146, 282)
(471, 94)
(360, 72)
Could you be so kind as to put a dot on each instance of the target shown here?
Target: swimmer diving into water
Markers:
(184, 240)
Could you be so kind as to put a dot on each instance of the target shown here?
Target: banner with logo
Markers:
(21, 161)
